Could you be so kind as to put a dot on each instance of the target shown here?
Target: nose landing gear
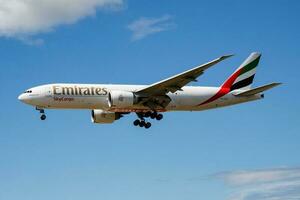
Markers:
(42, 112)
(43, 117)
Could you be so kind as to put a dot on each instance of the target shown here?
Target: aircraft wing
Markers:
(176, 82)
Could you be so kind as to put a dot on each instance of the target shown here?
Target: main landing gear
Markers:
(42, 112)
(141, 121)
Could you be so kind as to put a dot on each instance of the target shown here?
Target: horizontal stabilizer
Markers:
(257, 90)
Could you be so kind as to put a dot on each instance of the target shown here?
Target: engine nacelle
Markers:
(104, 117)
(120, 99)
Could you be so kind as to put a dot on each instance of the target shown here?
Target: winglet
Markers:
(226, 56)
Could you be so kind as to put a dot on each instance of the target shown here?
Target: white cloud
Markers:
(267, 184)
(31, 41)
(147, 26)
(23, 18)
(260, 176)
(287, 190)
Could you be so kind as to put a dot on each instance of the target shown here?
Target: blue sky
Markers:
(245, 152)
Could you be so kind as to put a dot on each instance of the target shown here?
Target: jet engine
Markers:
(104, 117)
(120, 99)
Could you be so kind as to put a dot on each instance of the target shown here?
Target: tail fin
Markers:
(243, 77)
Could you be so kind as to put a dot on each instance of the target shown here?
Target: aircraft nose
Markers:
(21, 97)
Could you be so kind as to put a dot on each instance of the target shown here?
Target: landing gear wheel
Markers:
(147, 114)
(147, 125)
(43, 117)
(142, 123)
(136, 122)
(153, 115)
(159, 117)
(42, 112)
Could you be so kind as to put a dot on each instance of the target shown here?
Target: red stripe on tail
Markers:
(224, 89)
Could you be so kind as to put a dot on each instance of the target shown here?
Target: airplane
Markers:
(110, 102)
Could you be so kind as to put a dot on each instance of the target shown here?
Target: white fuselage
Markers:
(95, 96)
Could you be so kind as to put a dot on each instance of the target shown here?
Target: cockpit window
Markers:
(28, 91)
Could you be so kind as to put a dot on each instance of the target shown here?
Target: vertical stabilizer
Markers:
(243, 77)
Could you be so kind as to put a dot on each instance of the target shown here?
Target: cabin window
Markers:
(28, 91)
